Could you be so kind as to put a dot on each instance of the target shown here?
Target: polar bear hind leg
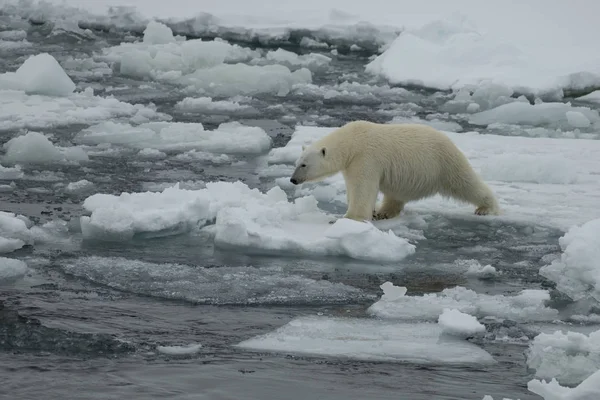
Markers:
(390, 208)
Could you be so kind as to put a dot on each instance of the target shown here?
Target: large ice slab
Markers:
(552, 390)
(243, 218)
(528, 305)
(231, 137)
(369, 340)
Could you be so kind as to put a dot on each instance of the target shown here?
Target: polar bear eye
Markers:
(303, 165)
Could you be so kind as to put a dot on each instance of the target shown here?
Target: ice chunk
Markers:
(207, 105)
(312, 61)
(158, 33)
(593, 97)
(19, 110)
(39, 74)
(454, 322)
(231, 137)
(577, 272)
(79, 187)
(369, 340)
(14, 232)
(528, 305)
(194, 155)
(34, 147)
(586, 390)
(179, 350)
(515, 167)
(555, 115)
(11, 268)
(200, 285)
(568, 357)
(300, 228)
(481, 271)
(151, 154)
(11, 173)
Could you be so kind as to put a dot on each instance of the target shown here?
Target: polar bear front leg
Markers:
(362, 192)
(390, 208)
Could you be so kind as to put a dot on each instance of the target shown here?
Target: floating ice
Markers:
(568, 357)
(554, 115)
(586, 390)
(193, 155)
(179, 350)
(593, 97)
(452, 53)
(205, 66)
(550, 169)
(231, 137)
(196, 284)
(40, 74)
(11, 172)
(151, 154)
(34, 147)
(19, 110)
(79, 187)
(370, 340)
(11, 268)
(481, 271)
(577, 271)
(312, 61)
(14, 232)
(454, 322)
(207, 105)
(528, 305)
(551, 162)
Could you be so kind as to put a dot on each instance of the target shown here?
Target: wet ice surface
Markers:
(114, 282)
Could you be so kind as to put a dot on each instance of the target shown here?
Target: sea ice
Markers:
(34, 148)
(528, 305)
(14, 232)
(593, 97)
(568, 357)
(577, 271)
(243, 218)
(456, 323)
(586, 390)
(231, 137)
(11, 268)
(39, 74)
(207, 105)
(207, 285)
(370, 340)
(79, 187)
(179, 350)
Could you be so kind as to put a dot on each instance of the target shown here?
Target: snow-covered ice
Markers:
(35, 148)
(214, 67)
(552, 390)
(456, 323)
(577, 271)
(11, 268)
(208, 105)
(79, 187)
(528, 305)
(569, 357)
(367, 339)
(231, 137)
(14, 232)
(179, 350)
(39, 74)
(480, 271)
(244, 218)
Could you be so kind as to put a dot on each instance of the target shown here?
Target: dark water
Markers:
(86, 322)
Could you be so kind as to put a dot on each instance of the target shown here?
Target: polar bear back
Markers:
(412, 161)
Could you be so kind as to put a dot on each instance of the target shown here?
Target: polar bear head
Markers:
(313, 165)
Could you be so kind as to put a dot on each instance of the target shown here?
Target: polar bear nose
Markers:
(294, 181)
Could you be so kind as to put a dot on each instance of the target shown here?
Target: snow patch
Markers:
(456, 323)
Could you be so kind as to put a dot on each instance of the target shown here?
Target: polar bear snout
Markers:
(294, 180)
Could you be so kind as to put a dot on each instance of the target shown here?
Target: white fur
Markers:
(406, 162)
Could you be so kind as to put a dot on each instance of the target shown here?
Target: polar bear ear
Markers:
(323, 151)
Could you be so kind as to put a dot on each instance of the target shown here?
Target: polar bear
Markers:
(406, 162)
